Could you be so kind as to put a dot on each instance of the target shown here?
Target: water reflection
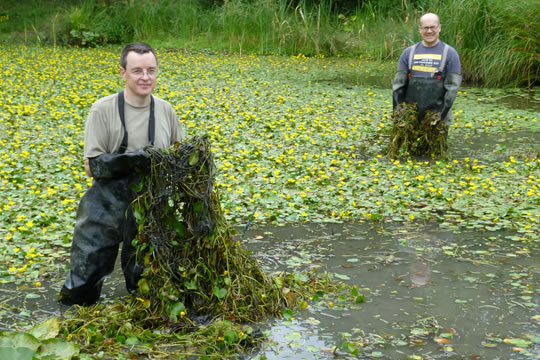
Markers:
(409, 275)
(420, 272)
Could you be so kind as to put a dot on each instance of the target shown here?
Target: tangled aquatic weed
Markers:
(189, 251)
(411, 136)
(129, 326)
(199, 287)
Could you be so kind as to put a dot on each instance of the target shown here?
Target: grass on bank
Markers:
(497, 40)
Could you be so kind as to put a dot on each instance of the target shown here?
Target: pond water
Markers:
(419, 282)
(450, 294)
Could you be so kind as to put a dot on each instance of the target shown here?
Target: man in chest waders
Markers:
(118, 127)
(429, 72)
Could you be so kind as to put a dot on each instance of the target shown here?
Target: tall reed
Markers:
(498, 40)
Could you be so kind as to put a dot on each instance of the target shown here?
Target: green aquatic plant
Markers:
(191, 258)
(413, 136)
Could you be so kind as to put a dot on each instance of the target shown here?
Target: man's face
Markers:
(140, 73)
(430, 29)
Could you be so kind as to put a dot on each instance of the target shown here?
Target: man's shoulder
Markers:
(451, 49)
(161, 102)
(105, 102)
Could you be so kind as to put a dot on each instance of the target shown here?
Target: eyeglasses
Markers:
(429, 28)
(140, 72)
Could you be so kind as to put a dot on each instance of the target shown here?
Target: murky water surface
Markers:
(475, 288)
(415, 280)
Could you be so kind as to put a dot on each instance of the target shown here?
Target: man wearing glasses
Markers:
(429, 72)
(118, 129)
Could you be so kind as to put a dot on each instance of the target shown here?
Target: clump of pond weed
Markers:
(190, 255)
(200, 287)
(128, 327)
(411, 136)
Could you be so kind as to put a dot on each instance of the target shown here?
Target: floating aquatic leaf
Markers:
(58, 349)
(517, 342)
(488, 344)
(230, 336)
(302, 278)
(293, 335)
(16, 340)
(220, 292)
(46, 330)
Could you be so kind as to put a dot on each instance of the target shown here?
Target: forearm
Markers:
(399, 87)
(451, 85)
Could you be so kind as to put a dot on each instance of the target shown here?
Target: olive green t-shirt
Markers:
(104, 131)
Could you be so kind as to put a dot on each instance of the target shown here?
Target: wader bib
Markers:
(104, 220)
(427, 92)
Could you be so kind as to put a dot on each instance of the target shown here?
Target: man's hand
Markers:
(110, 166)
(87, 168)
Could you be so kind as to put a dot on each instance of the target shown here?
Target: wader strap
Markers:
(124, 144)
(443, 59)
(411, 56)
(151, 123)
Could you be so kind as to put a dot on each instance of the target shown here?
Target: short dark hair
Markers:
(139, 48)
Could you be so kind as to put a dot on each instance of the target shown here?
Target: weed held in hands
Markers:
(413, 137)
(191, 259)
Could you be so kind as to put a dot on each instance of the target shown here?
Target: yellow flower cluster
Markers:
(291, 136)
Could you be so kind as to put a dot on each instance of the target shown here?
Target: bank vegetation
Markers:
(497, 40)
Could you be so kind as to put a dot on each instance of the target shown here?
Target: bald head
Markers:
(431, 17)
(430, 27)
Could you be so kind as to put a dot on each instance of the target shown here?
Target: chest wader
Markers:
(104, 220)
(427, 92)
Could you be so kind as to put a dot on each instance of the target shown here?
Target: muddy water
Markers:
(414, 280)
(495, 147)
(418, 281)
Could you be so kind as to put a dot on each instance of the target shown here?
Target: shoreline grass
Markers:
(497, 41)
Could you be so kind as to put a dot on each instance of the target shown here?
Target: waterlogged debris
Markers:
(442, 340)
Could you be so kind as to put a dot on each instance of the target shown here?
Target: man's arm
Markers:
(401, 79)
(452, 83)
(112, 166)
(399, 87)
